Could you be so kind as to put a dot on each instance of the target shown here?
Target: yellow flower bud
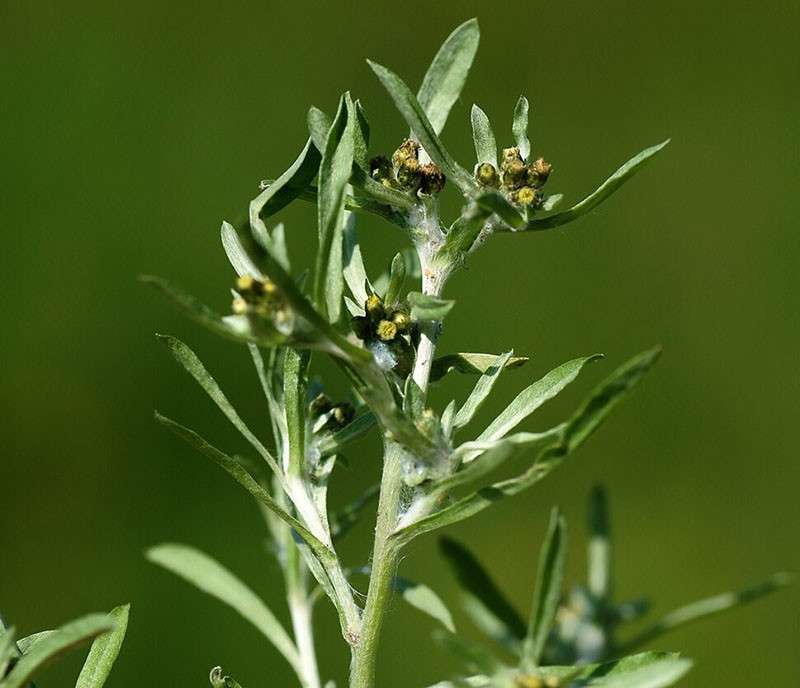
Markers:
(386, 330)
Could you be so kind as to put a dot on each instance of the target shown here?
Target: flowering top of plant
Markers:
(382, 331)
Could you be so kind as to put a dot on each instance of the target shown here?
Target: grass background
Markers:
(130, 130)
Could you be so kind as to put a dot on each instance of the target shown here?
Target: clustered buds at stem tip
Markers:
(519, 181)
(404, 171)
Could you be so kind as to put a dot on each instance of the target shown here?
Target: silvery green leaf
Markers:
(413, 398)
(278, 246)
(608, 187)
(235, 469)
(483, 137)
(266, 334)
(646, 670)
(287, 187)
(448, 416)
(708, 607)
(66, 638)
(421, 127)
(549, 584)
(424, 599)
(477, 583)
(469, 364)
(364, 185)
(550, 202)
(357, 428)
(412, 267)
(397, 278)
(519, 127)
(354, 272)
(496, 203)
(207, 574)
(334, 173)
(295, 403)
(464, 232)
(599, 550)
(447, 74)
(25, 644)
(104, 651)
(192, 365)
(8, 650)
(605, 398)
(533, 396)
(319, 124)
(361, 137)
(237, 255)
(481, 391)
(424, 307)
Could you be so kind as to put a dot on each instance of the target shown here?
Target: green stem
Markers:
(300, 610)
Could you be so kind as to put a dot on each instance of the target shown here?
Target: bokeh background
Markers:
(130, 130)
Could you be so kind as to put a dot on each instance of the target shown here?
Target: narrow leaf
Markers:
(354, 272)
(424, 307)
(481, 391)
(549, 584)
(8, 650)
(67, 638)
(295, 390)
(361, 137)
(469, 364)
(192, 365)
(334, 173)
(235, 469)
(422, 128)
(357, 428)
(493, 201)
(520, 127)
(607, 188)
(319, 124)
(397, 278)
(607, 397)
(29, 641)
(646, 670)
(211, 577)
(709, 607)
(476, 582)
(237, 255)
(287, 187)
(465, 231)
(483, 137)
(424, 599)
(104, 651)
(532, 397)
(447, 74)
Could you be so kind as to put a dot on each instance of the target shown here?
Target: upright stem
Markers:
(386, 553)
(300, 610)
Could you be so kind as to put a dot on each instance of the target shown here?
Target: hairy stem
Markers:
(300, 609)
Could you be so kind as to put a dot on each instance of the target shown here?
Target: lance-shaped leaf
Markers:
(608, 187)
(599, 549)
(448, 72)
(477, 583)
(238, 472)
(319, 125)
(355, 273)
(549, 583)
(481, 391)
(295, 401)
(8, 649)
(237, 255)
(287, 187)
(334, 173)
(483, 137)
(397, 278)
(493, 201)
(424, 307)
(708, 607)
(421, 127)
(465, 231)
(26, 644)
(67, 638)
(533, 396)
(361, 137)
(207, 574)
(266, 334)
(519, 127)
(610, 393)
(646, 670)
(192, 365)
(469, 364)
(424, 599)
(104, 651)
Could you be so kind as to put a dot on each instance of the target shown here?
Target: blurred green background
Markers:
(130, 130)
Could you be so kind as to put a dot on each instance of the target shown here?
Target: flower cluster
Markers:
(521, 181)
(405, 172)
